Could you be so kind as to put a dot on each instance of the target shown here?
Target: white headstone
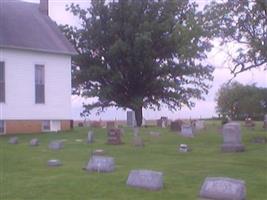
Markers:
(221, 188)
(101, 164)
(54, 163)
(147, 179)
(184, 148)
(187, 130)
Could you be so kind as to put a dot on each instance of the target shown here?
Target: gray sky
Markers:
(205, 108)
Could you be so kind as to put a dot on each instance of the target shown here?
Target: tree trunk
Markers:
(138, 116)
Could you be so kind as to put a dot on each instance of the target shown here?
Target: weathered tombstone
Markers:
(54, 163)
(131, 122)
(146, 179)
(259, 140)
(90, 137)
(99, 152)
(114, 136)
(265, 122)
(154, 133)
(101, 164)
(249, 123)
(232, 138)
(184, 148)
(138, 141)
(221, 188)
(136, 131)
(13, 140)
(162, 122)
(56, 145)
(187, 130)
(110, 124)
(176, 125)
(34, 142)
(199, 124)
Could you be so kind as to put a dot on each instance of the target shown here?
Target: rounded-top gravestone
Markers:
(146, 179)
(223, 188)
(101, 164)
(13, 140)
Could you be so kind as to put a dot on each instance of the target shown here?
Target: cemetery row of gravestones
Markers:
(212, 188)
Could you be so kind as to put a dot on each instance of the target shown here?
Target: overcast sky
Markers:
(202, 109)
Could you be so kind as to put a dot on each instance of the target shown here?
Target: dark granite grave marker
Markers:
(114, 136)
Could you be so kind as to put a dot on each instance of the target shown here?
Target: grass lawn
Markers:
(24, 174)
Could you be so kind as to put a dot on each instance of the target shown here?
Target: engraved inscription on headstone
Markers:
(223, 188)
(232, 138)
(101, 164)
(147, 179)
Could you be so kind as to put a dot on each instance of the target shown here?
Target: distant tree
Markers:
(243, 22)
(240, 101)
(140, 54)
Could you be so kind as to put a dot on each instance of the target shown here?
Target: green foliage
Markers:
(240, 101)
(140, 54)
(25, 175)
(245, 23)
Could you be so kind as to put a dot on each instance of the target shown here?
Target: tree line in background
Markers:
(241, 101)
(148, 53)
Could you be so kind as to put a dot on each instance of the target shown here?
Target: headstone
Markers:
(136, 131)
(249, 123)
(110, 124)
(96, 124)
(146, 179)
(138, 141)
(259, 140)
(232, 138)
(56, 145)
(162, 122)
(187, 130)
(184, 148)
(114, 136)
(90, 137)
(99, 152)
(101, 164)
(176, 125)
(131, 122)
(34, 142)
(54, 163)
(265, 122)
(154, 133)
(221, 188)
(199, 124)
(13, 140)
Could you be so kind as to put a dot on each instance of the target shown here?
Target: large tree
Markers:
(140, 54)
(244, 23)
(240, 101)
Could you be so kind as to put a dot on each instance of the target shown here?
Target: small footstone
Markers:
(184, 148)
(101, 164)
(99, 152)
(54, 163)
(146, 179)
(56, 145)
(34, 142)
(13, 140)
(223, 188)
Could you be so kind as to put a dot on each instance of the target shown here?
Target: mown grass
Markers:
(24, 174)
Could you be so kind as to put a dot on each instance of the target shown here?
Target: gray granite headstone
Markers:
(13, 140)
(223, 188)
(147, 179)
(187, 130)
(101, 164)
(56, 145)
(90, 137)
(136, 131)
(232, 138)
(54, 163)
(34, 142)
(131, 122)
